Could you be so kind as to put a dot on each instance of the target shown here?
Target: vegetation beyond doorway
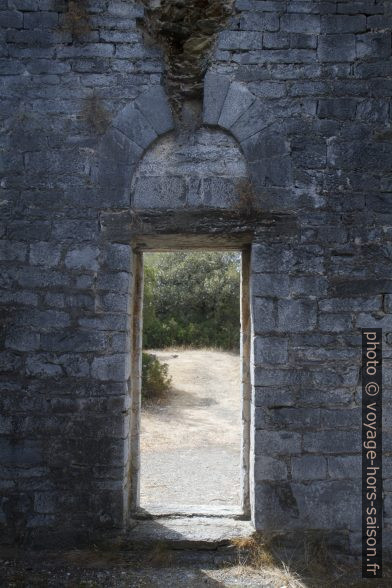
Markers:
(192, 299)
(191, 422)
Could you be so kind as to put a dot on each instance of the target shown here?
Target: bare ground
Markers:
(190, 442)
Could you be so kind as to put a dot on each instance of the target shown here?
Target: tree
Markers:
(192, 298)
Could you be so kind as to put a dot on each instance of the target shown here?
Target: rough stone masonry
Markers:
(300, 90)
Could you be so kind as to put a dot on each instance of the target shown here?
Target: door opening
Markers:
(190, 382)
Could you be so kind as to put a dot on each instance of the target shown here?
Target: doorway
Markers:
(190, 438)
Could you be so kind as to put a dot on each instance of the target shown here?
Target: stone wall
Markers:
(304, 89)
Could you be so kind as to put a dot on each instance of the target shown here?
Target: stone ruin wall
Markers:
(304, 87)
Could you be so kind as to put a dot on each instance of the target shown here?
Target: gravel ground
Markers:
(190, 443)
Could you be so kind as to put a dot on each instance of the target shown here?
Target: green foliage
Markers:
(155, 377)
(192, 298)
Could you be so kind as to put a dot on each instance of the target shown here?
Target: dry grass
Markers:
(312, 565)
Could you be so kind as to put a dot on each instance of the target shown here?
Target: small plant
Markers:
(76, 19)
(156, 381)
(95, 114)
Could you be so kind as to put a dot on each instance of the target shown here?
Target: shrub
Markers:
(156, 381)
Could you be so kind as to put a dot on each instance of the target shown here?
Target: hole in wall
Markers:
(186, 31)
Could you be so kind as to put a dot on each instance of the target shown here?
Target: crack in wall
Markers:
(186, 32)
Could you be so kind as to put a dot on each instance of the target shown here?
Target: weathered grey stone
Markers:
(238, 100)
(299, 23)
(347, 467)
(296, 315)
(277, 443)
(271, 350)
(313, 502)
(111, 367)
(343, 24)
(267, 468)
(79, 341)
(331, 441)
(276, 285)
(22, 340)
(159, 192)
(310, 111)
(45, 253)
(309, 468)
(135, 126)
(118, 257)
(154, 106)
(83, 257)
(336, 48)
(215, 91)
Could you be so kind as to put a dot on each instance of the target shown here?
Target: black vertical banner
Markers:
(372, 453)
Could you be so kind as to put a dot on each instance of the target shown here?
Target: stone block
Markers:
(106, 322)
(268, 468)
(74, 341)
(277, 443)
(336, 48)
(350, 304)
(45, 253)
(265, 144)
(338, 23)
(258, 117)
(237, 101)
(312, 286)
(159, 192)
(343, 468)
(308, 467)
(240, 40)
(21, 452)
(276, 40)
(335, 322)
(300, 23)
(135, 126)
(332, 441)
(296, 316)
(255, 21)
(273, 284)
(114, 368)
(114, 281)
(264, 316)
(41, 365)
(45, 502)
(314, 504)
(12, 250)
(154, 105)
(339, 108)
(118, 257)
(219, 192)
(22, 340)
(82, 257)
(272, 172)
(270, 397)
(373, 45)
(40, 20)
(275, 507)
(270, 350)
(215, 92)
(11, 19)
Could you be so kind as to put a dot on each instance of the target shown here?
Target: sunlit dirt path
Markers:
(190, 443)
